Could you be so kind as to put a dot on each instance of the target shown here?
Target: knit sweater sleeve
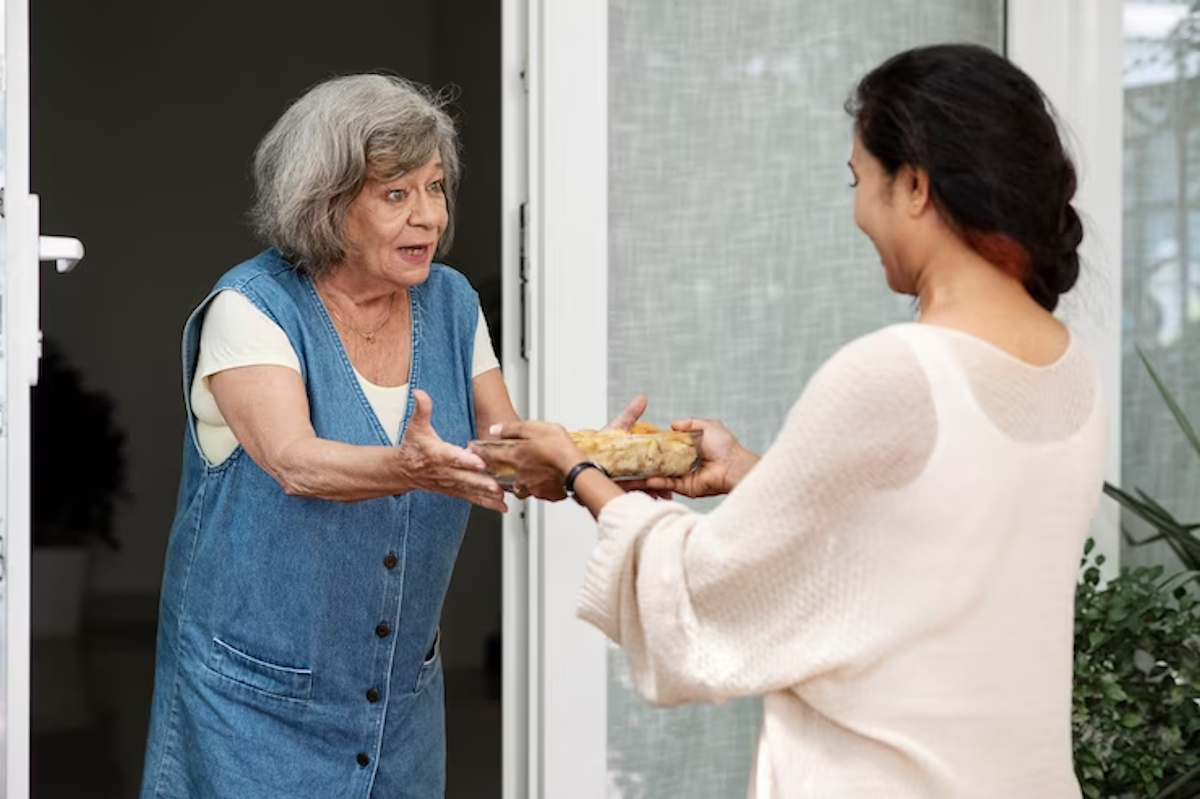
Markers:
(807, 567)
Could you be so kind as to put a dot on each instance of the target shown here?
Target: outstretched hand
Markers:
(541, 455)
(723, 462)
(431, 464)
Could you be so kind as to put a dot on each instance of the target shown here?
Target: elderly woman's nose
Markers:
(424, 209)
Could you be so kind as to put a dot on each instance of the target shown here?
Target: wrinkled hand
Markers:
(723, 462)
(430, 464)
(541, 455)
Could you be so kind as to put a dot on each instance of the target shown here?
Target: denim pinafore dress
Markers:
(297, 650)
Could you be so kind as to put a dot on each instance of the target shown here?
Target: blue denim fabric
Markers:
(280, 614)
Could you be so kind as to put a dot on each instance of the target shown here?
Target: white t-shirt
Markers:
(236, 333)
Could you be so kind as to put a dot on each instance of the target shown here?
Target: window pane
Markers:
(735, 266)
(1161, 259)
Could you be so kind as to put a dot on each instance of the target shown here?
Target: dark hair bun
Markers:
(1070, 237)
(985, 134)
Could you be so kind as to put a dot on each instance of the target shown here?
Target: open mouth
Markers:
(414, 254)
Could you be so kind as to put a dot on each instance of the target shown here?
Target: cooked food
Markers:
(644, 451)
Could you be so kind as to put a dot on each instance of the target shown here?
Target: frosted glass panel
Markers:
(1162, 258)
(735, 267)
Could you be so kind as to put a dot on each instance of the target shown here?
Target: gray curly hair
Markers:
(315, 160)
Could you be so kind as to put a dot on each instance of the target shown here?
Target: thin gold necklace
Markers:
(369, 337)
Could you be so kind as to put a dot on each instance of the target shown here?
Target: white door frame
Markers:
(24, 249)
(555, 88)
(20, 331)
(516, 571)
(556, 164)
(1073, 49)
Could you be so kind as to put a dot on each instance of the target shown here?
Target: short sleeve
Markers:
(485, 353)
(236, 333)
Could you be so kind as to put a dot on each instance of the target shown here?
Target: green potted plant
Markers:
(1183, 538)
(78, 478)
(1136, 701)
(1136, 711)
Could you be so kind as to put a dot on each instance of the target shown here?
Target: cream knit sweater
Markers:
(896, 576)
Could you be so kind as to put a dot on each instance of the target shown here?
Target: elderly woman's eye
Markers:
(436, 187)
(395, 195)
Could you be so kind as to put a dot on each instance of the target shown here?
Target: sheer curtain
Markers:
(735, 268)
(1161, 259)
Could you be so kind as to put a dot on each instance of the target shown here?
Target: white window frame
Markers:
(556, 163)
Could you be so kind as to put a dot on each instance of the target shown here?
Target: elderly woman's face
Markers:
(392, 227)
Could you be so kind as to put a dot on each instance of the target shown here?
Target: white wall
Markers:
(145, 117)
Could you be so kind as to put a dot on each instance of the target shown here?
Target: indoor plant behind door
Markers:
(78, 476)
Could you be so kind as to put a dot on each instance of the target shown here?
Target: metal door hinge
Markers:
(523, 280)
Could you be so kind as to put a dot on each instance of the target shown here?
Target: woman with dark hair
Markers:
(896, 574)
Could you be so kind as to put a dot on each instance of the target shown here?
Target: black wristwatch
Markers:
(569, 483)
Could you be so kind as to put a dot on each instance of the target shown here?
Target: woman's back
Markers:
(966, 543)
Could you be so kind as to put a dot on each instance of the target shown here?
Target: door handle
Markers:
(65, 252)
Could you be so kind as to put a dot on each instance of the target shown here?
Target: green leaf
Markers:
(1182, 782)
(1176, 411)
(1169, 585)
(1185, 545)
(1177, 535)
(1147, 513)
(1115, 693)
(1141, 542)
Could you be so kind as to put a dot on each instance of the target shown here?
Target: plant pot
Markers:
(59, 580)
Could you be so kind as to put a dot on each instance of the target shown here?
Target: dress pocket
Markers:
(432, 664)
(283, 682)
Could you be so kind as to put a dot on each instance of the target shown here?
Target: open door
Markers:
(20, 349)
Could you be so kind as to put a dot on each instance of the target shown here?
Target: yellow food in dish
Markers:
(644, 451)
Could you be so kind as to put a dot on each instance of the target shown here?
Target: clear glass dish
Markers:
(625, 456)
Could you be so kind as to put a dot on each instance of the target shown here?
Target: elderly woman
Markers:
(896, 574)
(332, 383)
